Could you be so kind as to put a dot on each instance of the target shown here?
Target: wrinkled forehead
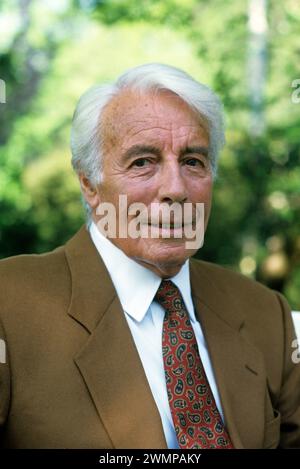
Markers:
(138, 108)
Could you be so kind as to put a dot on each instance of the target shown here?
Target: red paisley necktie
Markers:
(196, 418)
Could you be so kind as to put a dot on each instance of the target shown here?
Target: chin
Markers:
(175, 251)
(166, 259)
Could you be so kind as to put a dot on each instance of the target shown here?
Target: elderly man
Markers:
(121, 341)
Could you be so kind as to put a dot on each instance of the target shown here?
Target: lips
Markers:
(171, 226)
(169, 218)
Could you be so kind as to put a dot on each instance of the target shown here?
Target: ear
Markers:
(89, 191)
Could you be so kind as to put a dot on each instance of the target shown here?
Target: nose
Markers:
(172, 186)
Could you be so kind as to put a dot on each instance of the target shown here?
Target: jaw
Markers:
(165, 260)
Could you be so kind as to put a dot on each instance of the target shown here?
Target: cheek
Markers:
(201, 191)
(136, 193)
(139, 191)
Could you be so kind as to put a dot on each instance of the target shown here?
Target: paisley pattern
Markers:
(196, 418)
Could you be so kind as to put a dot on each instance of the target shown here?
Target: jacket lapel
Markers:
(109, 362)
(238, 365)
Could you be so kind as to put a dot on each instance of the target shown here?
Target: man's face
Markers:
(155, 151)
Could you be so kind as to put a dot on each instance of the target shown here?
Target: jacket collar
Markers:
(92, 288)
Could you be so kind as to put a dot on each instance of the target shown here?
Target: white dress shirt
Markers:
(136, 287)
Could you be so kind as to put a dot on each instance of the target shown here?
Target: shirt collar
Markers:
(136, 285)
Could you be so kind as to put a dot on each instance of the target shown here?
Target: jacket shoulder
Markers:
(259, 305)
(227, 279)
(31, 263)
(30, 277)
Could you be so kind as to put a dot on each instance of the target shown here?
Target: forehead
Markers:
(133, 114)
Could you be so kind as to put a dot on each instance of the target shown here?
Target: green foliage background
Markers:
(51, 51)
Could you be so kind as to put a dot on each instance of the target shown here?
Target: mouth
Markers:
(170, 226)
(169, 230)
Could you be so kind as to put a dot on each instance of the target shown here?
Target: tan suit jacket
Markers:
(73, 377)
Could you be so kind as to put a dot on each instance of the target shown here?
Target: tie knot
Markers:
(169, 296)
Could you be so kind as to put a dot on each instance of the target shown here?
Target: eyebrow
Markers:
(200, 150)
(138, 150)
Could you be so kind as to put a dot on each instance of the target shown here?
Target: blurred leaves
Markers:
(54, 50)
(174, 12)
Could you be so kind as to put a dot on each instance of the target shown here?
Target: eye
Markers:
(195, 162)
(140, 162)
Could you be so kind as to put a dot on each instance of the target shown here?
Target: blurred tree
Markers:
(25, 60)
(255, 222)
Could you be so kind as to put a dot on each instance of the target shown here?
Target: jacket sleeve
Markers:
(289, 399)
(4, 381)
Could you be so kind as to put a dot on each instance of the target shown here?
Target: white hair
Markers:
(87, 131)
